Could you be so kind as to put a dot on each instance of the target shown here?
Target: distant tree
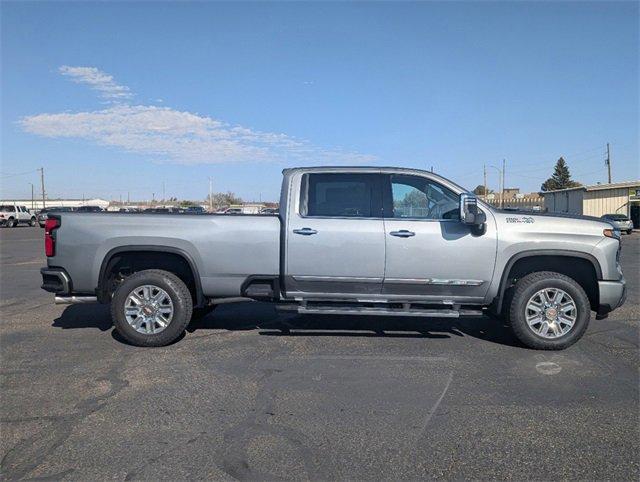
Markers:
(560, 179)
(479, 190)
(414, 199)
(224, 199)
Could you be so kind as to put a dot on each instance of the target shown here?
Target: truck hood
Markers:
(551, 215)
(556, 223)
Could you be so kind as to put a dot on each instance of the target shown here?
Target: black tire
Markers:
(32, 222)
(180, 297)
(629, 231)
(531, 284)
(11, 223)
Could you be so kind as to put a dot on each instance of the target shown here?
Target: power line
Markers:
(5, 176)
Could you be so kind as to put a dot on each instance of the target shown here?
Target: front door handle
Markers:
(305, 231)
(403, 233)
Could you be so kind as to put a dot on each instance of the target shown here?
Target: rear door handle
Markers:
(305, 231)
(403, 233)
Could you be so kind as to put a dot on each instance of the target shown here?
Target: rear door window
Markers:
(342, 195)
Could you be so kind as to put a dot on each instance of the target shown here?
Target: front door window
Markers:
(420, 198)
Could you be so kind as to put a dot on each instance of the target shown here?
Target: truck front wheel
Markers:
(549, 311)
(151, 308)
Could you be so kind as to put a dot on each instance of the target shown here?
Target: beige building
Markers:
(597, 200)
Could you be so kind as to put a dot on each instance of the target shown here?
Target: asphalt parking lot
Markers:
(251, 394)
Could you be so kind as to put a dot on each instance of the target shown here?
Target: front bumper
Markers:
(613, 294)
(623, 226)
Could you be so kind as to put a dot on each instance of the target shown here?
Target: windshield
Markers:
(617, 217)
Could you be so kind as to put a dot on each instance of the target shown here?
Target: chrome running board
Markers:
(327, 309)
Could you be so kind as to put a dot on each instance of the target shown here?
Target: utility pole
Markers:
(163, 198)
(484, 173)
(128, 197)
(31, 195)
(210, 194)
(42, 184)
(608, 162)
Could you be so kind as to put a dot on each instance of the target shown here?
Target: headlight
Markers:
(612, 233)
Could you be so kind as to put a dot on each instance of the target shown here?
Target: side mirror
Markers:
(470, 213)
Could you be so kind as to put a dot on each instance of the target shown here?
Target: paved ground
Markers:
(336, 398)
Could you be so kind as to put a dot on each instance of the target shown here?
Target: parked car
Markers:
(347, 241)
(11, 215)
(89, 209)
(195, 210)
(620, 221)
(43, 214)
(269, 211)
(163, 210)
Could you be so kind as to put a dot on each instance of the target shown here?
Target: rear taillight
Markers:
(50, 225)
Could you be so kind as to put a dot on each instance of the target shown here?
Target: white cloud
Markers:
(97, 80)
(166, 134)
(182, 137)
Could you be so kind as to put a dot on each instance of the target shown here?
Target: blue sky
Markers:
(117, 98)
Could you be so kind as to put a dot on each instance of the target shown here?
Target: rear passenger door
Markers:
(335, 235)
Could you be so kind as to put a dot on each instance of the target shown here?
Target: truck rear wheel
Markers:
(151, 308)
(549, 311)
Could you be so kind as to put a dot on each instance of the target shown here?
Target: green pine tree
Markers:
(560, 179)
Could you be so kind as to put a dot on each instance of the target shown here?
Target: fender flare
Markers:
(542, 252)
(157, 249)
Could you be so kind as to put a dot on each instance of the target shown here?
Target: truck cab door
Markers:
(430, 253)
(334, 235)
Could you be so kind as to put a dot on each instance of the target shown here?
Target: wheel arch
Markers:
(587, 271)
(113, 256)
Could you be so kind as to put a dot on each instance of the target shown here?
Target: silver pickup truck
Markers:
(347, 241)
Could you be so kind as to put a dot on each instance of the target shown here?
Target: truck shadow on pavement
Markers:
(263, 317)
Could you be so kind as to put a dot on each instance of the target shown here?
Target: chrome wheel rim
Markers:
(551, 313)
(148, 309)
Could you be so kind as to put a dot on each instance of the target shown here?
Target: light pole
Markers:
(501, 172)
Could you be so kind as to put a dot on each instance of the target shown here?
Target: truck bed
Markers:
(225, 249)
